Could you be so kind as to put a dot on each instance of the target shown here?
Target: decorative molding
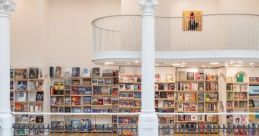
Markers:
(7, 6)
(148, 6)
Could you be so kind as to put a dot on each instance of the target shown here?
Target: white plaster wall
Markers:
(176, 7)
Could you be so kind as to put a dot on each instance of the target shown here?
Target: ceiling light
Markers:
(183, 63)
(251, 63)
(136, 61)
(176, 64)
(157, 65)
(226, 64)
(108, 63)
(214, 63)
(128, 63)
(238, 65)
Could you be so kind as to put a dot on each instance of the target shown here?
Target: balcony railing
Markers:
(222, 36)
(96, 124)
(169, 130)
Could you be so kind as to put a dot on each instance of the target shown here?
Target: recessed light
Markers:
(226, 64)
(157, 64)
(128, 63)
(136, 61)
(251, 63)
(108, 63)
(183, 63)
(214, 63)
(176, 64)
(237, 65)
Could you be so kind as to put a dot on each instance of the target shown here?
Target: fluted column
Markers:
(6, 119)
(148, 120)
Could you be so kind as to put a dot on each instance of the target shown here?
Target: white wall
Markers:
(28, 42)
(56, 32)
(176, 7)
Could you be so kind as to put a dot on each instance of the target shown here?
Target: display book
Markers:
(237, 99)
(83, 90)
(164, 93)
(196, 92)
(253, 99)
(27, 95)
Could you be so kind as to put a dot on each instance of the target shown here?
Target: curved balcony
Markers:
(223, 36)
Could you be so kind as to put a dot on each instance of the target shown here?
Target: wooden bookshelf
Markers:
(237, 100)
(75, 93)
(196, 92)
(27, 94)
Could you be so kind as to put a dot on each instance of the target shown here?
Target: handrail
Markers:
(229, 35)
(217, 14)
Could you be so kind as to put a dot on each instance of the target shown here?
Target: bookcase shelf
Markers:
(196, 92)
(27, 94)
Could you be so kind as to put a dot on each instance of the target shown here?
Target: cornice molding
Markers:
(6, 6)
(148, 6)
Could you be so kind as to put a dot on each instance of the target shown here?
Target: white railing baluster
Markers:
(122, 34)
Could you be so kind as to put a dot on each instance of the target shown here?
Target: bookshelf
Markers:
(237, 93)
(196, 92)
(27, 95)
(129, 101)
(253, 99)
(84, 92)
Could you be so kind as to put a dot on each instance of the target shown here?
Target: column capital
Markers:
(148, 6)
(6, 7)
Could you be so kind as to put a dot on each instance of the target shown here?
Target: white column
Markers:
(148, 120)
(6, 119)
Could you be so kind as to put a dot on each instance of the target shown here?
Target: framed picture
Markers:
(192, 21)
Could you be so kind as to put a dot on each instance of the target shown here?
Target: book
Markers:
(51, 72)
(240, 77)
(200, 107)
(169, 78)
(67, 78)
(11, 85)
(34, 73)
(200, 97)
(190, 76)
(39, 96)
(96, 72)
(86, 72)
(20, 74)
(182, 76)
(39, 119)
(75, 100)
(157, 77)
(11, 73)
(22, 85)
(58, 72)
(21, 96)
(75, 72)
(107, 73)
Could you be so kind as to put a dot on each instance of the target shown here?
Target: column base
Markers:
(6, 124)
(148, 124)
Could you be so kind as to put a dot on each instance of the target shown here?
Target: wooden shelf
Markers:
(164, 90)
(129, 82)
(169, 99)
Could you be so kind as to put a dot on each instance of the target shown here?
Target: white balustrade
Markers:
(222, 36)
